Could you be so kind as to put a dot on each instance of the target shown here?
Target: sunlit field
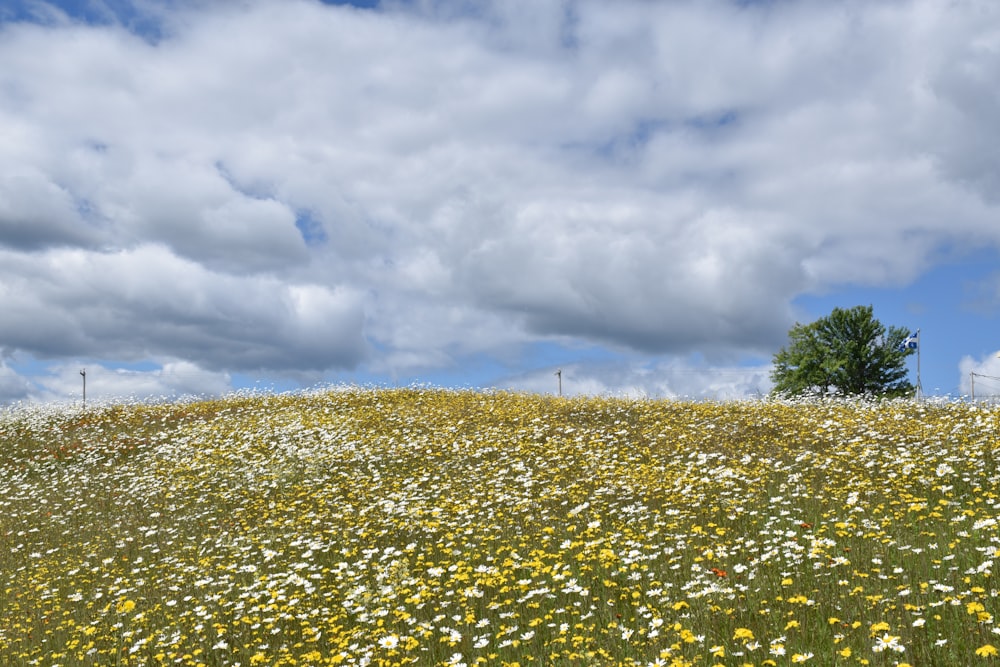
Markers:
(389, 527)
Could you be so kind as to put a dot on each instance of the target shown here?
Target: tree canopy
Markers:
(848, 352)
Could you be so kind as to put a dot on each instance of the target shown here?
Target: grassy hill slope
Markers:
(428, 527)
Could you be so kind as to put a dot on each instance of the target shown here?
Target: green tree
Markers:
(847, 352)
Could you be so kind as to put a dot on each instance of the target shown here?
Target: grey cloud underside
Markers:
(289, 185)
(27, 233)
(149, 303)
(967, 84)
(36, 213)
(673, 295)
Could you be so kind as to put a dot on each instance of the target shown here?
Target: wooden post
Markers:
(559, 375)
(83, 372)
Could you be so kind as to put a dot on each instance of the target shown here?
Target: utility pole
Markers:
(558, 374)
(83, 372)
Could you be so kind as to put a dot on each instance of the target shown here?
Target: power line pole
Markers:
(558, 374)
(83, 372)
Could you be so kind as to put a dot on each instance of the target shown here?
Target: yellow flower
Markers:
(743, 633)
(846, 652)
(986, 651)
(791, 624)
(881, 626)
(125, 606)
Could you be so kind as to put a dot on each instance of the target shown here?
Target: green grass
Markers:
(425, 527)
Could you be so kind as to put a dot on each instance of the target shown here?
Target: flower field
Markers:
(432, 527)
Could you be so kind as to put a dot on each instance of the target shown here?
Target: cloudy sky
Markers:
(202, 195)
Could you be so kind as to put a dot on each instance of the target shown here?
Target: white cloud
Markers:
(176, 379)
(980, 376)
(65, 382)
(13, 386)
(633, 379)
(289, 185)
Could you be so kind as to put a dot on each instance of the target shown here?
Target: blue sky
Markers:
(197, 197)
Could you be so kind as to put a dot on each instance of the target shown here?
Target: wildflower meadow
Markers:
(356, 526)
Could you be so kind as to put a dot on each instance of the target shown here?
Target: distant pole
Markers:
(920, 344)
(83, 372)
(558, 374)
(972, 383)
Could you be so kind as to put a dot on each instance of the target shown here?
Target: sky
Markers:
(199, 197)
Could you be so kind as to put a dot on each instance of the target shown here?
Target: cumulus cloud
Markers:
(296, 186)
(643, 379)
(13, 386)
(981, 376)
(149, 303)
(64, 382)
